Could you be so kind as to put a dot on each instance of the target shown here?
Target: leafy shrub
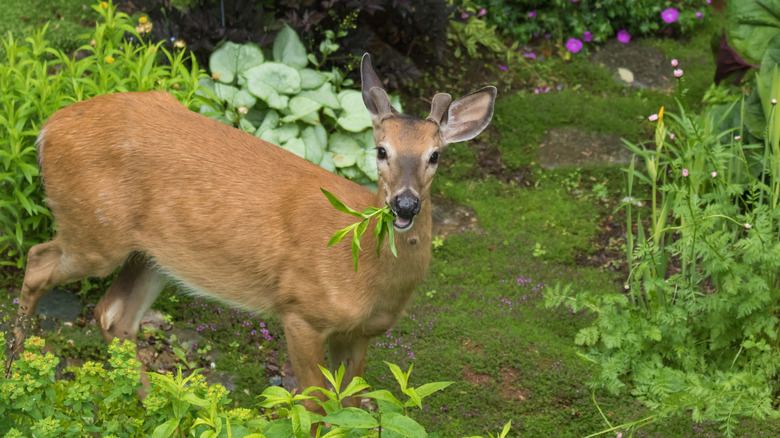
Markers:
(114, 58)
(104, 402)
(564, 19)
(310, 113)
(697, 327)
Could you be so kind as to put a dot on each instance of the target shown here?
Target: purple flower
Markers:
(503, 67)
(669, 15)
(531, 55)
(548, 35)
(464, 15)
(532, 14)
(587, 36)
(574, 45)
(698, 15)
(482, 12)
(16, 300)
(623, 36)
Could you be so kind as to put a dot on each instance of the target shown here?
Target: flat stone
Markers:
(450, 217)
(570, 146)
(59, 305)
(648, 66)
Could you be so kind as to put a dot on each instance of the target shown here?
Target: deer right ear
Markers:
(465, 118)
(374, 95)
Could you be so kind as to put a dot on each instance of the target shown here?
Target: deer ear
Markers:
(374, 95)
(465, 118)
(439, 104)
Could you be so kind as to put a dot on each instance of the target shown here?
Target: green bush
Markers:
(697, 326)
(37, 81)
(285, 100)
(104, 401)
(565, 19)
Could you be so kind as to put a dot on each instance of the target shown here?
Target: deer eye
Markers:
(434, 158)
(381, 153)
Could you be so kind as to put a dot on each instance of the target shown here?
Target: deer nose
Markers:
(406, 205)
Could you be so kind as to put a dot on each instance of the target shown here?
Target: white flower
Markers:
(653, 118)
(748, 226)
(714, 174)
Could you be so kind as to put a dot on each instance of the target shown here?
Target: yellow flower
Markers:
(109, 59)
(104, 5)
(179, 44)
(661, 114)
(215, 76)
(142, 20)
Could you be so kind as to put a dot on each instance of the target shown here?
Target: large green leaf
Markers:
(296, 146)
(751, 26)
(288, 131)
(311, 79)
(403, 425)
(300, 107)
(235, 97)
(367, 163)
(345, 150)
(231, 59)
(315, 142)
(324, 95)
(355, 116)
(351, 418)
(288, 49)
(283, 78)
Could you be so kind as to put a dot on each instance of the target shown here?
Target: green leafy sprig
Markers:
(383, 228)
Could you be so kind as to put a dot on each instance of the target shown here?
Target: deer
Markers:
(138, 183)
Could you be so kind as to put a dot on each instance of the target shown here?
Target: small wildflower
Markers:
(774, 101)
(670, 15)
(748, 226)
(92, 43)
(737, 137)
(179, 44)
(714, 174)
(16, 300)
(623, 36)
(626, 287)
(587, 36)
(215, 76)
(142, 20)
(531, 55)
(674, 63)
(104, 5)
(482, 12)
(464, 15)
(685, 173)
(573, 45)
(243, 111)
(548, 36)
(671, 136)
(678, 73)
(653, 117)
(109, 59)
(532, 14)
(699, 15)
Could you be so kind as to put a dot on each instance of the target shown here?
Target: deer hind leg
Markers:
(130, 295)
(350, 350)
(50, 264)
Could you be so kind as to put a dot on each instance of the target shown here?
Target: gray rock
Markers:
(450, 217)
(570, 146)
(59, 305)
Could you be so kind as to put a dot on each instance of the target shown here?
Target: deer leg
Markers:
(130, 295)
(48, 265)
(349, 350)
(305, 345)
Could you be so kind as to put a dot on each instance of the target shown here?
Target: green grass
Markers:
(68, 19)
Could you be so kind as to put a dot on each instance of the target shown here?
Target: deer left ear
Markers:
(465, 118)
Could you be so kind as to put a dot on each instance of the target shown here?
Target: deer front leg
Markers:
(350, 350)
(305, 345)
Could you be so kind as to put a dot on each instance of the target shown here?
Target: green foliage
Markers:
(474, 34)
(117, 59)
(313, 114)
(564, 19)
(100, 401)
(384, 226)
(697, 328)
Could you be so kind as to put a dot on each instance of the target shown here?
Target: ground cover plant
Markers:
(480, 319)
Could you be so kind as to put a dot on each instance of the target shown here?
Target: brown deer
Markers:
(137, 180)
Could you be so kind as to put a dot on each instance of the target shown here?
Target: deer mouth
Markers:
(401, 223)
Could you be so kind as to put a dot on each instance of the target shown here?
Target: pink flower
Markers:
(531, 55)
(685, 173)
(674, 63)
(482, 12)
(774, 101)
(623, 36)
(671, 136)
(464, 15)
(503, 67)
(698, 15)
(736, 137)
(587, 36)
(709, 2)
(678, 73)
(670, 15)
(714, 174)
(653, 118)
(573, 45)
(532, 14)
